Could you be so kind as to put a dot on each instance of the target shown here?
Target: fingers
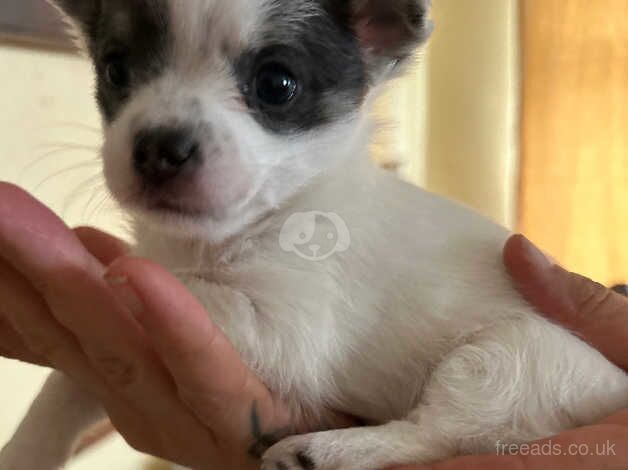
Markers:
(50, 257)
(104, 247)
(603, 446)
(58, 272)
(587, 308)
(209, 373)
(516, 463)
(101, 245)
(476, 463)
(72, 317)
(57, 276)
(37, 330)
(13, 347)
(35, 241)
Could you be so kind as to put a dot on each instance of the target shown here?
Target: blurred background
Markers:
(518, 108)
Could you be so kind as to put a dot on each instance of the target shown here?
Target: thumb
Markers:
(587, 308)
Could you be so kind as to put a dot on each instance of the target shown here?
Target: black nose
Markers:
(161, 154)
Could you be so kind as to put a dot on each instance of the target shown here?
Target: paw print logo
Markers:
(314, 236)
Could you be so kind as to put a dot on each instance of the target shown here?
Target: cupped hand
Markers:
(133, 336)
(600, 317)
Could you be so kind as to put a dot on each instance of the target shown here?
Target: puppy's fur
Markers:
(407, 320)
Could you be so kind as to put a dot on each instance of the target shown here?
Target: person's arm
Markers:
(600, 317)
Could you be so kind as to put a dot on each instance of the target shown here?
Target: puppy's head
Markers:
(216, 111)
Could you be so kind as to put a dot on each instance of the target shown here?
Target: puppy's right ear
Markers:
(82, 13)
(388, 31)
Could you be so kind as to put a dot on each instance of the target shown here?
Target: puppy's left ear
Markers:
(391, 30)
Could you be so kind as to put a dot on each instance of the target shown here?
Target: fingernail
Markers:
(125, 293)
(537, 256)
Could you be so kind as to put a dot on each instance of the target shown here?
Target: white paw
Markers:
(291, 454)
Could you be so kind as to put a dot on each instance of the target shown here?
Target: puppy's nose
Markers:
(161, 154)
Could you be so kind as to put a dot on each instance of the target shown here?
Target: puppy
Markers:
(236, 136)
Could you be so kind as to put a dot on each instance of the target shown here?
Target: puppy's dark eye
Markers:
(275, 85)
(117, 71)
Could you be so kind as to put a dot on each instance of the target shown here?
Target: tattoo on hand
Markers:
(263, 441)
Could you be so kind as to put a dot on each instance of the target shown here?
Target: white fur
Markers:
(414, 326)
(49, 435)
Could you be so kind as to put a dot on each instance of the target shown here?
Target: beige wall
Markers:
(50, 133)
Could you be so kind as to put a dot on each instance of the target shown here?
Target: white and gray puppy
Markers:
(236, 133)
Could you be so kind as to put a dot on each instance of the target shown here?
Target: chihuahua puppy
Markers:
(236, 135)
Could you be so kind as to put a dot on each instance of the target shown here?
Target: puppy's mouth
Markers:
(171, 202)
(172, 205)
(168, 206)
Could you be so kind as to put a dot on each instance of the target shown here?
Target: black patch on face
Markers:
(135, 35)
(324, 57)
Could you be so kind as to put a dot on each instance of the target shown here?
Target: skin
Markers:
(128, 332)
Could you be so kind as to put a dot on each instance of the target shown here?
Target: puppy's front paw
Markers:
(373, 448)
(291, 454)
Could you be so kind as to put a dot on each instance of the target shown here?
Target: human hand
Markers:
(134, 337)
(599, 316)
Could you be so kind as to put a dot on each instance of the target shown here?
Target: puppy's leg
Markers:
(512, 383)
(395, 443)
(49, 434)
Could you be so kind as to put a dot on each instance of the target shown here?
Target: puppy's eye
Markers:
(275, 85)
(117, 71)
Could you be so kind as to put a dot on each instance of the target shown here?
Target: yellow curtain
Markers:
(456, 113)
(574, 179)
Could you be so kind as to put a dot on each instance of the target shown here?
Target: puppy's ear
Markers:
(83, 13)
(391, 28)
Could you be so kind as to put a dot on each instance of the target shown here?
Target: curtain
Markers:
(455, 117)
(574, 172)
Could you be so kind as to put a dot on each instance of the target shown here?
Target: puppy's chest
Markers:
(283, 335)
(310, 349)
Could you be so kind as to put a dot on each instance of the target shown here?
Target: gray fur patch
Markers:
(321, 52)
(134, 32)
